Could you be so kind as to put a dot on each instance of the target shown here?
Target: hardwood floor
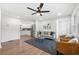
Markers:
(19, 47)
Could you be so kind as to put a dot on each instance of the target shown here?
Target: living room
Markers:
(28, 28)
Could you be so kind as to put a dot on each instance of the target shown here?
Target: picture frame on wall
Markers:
(47, 27)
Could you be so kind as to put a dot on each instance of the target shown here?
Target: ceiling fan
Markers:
(38, 9)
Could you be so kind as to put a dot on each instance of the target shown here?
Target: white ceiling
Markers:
(19, 9)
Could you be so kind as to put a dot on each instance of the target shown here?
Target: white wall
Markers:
(52, 23)
(63, 26)
(40, 24)
(26, 24)
(76, 23)
(0, 28)
(10, 28)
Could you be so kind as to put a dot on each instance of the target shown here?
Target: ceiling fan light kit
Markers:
(38, 11)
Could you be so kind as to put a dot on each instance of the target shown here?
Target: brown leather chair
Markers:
(67, 48)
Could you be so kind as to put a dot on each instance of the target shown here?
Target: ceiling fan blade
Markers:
(40, 7)
(31, 9)
(33, 13)
(44, 11)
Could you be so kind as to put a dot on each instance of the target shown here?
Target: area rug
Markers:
(43, 44)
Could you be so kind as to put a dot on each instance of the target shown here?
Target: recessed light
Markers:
(24, 10)
(41, 18)
(59, 14)
(18, 16)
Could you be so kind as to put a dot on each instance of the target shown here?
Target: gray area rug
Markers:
(43, 44)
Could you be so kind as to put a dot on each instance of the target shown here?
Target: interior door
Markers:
(0, 28)
(63, 27)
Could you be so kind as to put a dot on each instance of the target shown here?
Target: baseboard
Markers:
(9, 40)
